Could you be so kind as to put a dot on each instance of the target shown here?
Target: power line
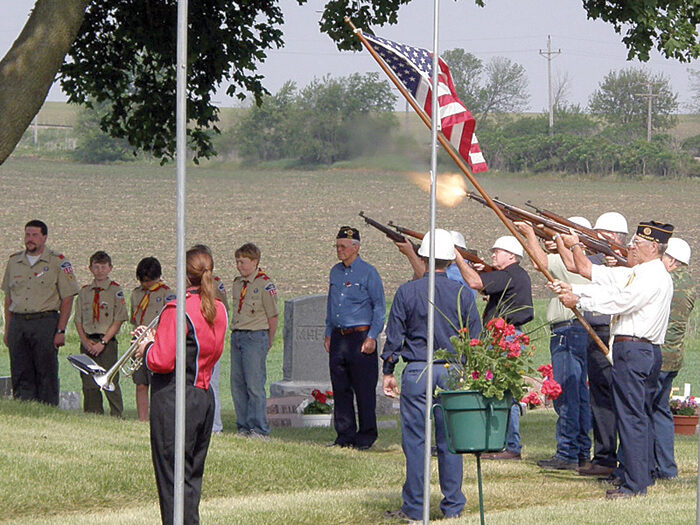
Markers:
(549, 55)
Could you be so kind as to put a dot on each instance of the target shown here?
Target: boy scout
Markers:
(99, 313)
(147, 300)
(253, 323)
(39, 286)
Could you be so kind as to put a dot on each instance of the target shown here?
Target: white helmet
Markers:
(611, 221)
(581, 221)
(509, 244)
(444, 245)
(679, 250)
(458, 239)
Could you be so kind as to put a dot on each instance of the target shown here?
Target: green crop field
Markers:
(58, 467)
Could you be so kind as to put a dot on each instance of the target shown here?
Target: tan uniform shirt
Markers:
(156, 301)
(96, 313)
(41, 287)
(258, 305)
(557, 312)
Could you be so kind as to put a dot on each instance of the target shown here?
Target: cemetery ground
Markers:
(68, 467)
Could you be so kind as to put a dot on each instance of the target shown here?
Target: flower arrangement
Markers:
(320, 403)
(494, 364)
(684, 407)
(550, 389)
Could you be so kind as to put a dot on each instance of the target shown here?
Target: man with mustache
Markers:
(39, 286)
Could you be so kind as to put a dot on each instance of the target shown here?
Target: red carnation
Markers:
(546, 371)
(474, 342)
(551, 389)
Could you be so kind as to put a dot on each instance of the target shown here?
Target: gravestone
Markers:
(69, 400)
(5, 386)
(305, 362)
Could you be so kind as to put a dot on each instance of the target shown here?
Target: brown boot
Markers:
(595, 470)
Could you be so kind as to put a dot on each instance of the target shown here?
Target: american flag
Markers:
(413, 67)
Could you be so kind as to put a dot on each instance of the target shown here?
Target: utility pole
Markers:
(549, 55)
(650, 97)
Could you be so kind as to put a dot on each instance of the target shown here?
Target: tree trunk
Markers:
(30, 66)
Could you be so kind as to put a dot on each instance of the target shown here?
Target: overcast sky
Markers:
(516, 29)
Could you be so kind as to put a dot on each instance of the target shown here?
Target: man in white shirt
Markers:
(639, 299)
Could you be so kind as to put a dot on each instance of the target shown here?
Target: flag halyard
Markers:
(413, 67)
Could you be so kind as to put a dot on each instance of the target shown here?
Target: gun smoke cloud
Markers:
(450, 190)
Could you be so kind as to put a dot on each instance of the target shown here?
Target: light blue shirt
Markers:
(355, 298)
(454, 274)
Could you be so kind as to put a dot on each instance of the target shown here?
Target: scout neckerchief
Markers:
(143, 304)
(96, 304)
(245, 289)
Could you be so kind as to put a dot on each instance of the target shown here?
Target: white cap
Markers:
(509, 244)
(679, 250)
(581, 221)
(611, 221)
(458, 239)
(444, 245)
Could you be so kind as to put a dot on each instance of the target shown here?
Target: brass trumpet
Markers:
(126, 364)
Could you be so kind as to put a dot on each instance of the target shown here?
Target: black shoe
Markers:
(555, 463)
(611, 480)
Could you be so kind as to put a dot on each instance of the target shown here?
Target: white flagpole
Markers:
(435, 123)
(180, 365)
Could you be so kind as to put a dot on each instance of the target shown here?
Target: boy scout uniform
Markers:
(35, 293)
(253, 302)
(100, 305)
(146, 306)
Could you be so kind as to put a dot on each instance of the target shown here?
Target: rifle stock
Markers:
(551, 227)
(466, 254)
(622, 250)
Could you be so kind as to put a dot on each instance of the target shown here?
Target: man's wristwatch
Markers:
(60, 331)
(103, 342)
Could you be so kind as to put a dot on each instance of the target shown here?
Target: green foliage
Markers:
(499, 86)
(330, 120)
(619, 99)
(126, 53)
(669, 25)
(93, 145)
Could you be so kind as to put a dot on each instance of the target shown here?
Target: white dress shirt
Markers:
(639, 298)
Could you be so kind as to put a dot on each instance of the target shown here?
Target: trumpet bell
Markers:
(104, 381)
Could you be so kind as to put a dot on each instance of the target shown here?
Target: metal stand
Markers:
(481, 491)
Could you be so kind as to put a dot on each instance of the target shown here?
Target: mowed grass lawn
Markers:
(58, 467)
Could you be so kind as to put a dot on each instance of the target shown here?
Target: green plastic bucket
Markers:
(472, 422)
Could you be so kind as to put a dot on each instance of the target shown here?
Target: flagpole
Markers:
(467, 173)
(181, 156)
(434, 125)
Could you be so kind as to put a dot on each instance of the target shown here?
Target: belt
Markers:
(95, 336)
(564, 324)
(441, 362)
(37, 315)
(631, 339)
(351, 330)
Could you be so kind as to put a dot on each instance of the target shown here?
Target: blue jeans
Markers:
(248, 354)
(413, 443)
(214, 385)
(569, 365)
(665, 466)
(513, 437)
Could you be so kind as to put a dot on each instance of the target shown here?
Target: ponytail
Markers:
(199, 272)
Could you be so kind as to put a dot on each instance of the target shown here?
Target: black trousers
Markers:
(199, 420)
(353, 374)
(602, 406)
(33, 359)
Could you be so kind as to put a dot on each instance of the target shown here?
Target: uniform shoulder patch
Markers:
(221, 287)
(171, 297)
(271, 288)
(120, 295)
(67, 267)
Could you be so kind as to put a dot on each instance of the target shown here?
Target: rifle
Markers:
(469, 255)
(578, 228)
(394, 236)
(550, 227)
